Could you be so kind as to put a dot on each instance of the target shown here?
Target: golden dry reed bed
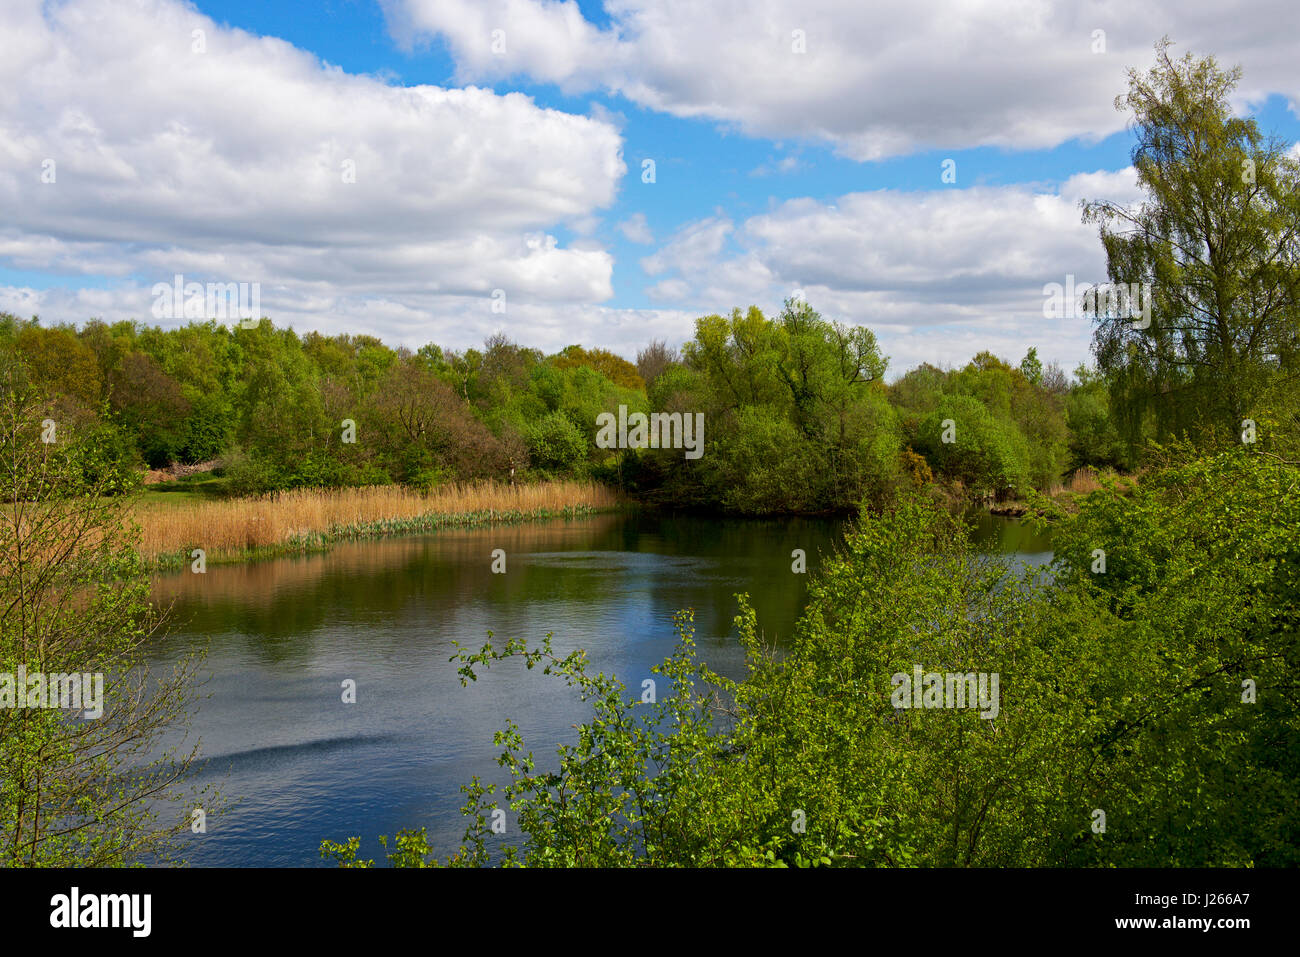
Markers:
(1084, 480)
(305, 519)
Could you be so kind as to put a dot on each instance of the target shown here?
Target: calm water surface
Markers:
(283, 635)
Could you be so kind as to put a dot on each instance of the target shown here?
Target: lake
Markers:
(283, 635)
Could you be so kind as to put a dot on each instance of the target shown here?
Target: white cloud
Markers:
(938, 275)
(695, 243)
(669, 290)
(232, 164)
(636, 229)
(875, 80)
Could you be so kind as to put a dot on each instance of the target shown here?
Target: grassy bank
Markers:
(1067, 493)
(311, 519)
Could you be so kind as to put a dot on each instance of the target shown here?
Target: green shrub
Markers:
(555, 444)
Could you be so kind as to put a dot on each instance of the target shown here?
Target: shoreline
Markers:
(302, 522)
(312, 521)
(317, 543)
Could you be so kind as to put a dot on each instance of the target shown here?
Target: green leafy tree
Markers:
(207, 429)
(613, 367)
(1197, 753)
(1031, 367)
(555, 444)
(990, 456)
(79, 788)
(796, 411)
(1216, 238)
(1094, 440)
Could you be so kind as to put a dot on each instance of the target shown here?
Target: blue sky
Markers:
(775, 168)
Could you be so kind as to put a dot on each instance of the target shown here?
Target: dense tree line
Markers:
(798, 415)
(273, 405)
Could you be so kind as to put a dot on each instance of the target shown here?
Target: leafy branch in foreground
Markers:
(629, 792)
(83, 784)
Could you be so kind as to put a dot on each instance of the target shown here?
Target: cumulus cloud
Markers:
(695, 243)
(938, 275)
(139, 140)
(872, 79)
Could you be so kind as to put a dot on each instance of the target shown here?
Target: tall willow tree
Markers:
(88, 783)
(1217, 238)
